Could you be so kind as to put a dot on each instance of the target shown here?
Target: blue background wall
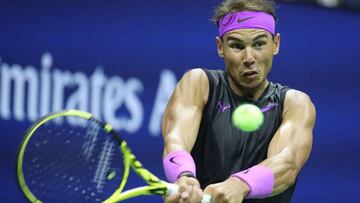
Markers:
(153, 42)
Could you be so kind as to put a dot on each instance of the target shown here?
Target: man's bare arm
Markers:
(182, 116)
(291, 145)
(181, 124)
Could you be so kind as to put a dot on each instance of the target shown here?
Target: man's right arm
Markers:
(183, 113)
(180, 126)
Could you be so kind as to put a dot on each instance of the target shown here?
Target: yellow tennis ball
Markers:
(247, 117)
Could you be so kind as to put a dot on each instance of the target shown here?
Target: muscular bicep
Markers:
(295, 131)
(291, 145)
(183, 113)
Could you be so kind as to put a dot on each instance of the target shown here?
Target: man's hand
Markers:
(232, 190)
(189, 191)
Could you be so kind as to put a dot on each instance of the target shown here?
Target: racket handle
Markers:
(172, 189)
(206, 198)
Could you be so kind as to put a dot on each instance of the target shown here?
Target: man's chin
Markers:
(251, 85)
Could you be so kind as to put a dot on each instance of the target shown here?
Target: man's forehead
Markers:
(247, 34)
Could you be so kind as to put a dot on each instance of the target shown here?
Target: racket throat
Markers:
(145, 190)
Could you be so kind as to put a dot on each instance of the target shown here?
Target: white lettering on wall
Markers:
(26, 93)
(166, 86)
(97, 85)
(19, 78)
(45, 95)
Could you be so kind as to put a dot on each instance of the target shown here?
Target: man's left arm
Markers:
(290, 147)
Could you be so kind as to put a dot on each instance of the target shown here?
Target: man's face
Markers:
(248, 55)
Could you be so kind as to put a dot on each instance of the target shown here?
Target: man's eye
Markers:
(259, 44)
(237, 46)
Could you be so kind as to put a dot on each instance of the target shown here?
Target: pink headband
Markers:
(246, 19)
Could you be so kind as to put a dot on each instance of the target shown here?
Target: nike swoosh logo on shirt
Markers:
(268, 107)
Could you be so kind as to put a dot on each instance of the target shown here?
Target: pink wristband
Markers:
(176, 163)
(260, 180)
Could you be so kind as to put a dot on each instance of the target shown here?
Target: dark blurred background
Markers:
(71, 54)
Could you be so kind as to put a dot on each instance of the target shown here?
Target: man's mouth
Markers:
(250, 74)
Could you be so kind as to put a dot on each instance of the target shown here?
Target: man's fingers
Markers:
(172, 198)
(193, 182)
(185, 195)
(189, 191)
(193, 195)
(198, 194)
(212, 191)
(188, 181)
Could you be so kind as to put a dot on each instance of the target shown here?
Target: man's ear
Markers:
(219, 45)
(276, 44)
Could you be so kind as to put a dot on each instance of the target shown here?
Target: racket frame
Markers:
(155, 185)
(28, 134)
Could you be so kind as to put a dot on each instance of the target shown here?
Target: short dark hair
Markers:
(232, 6)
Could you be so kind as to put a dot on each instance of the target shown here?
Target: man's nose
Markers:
(248, 59)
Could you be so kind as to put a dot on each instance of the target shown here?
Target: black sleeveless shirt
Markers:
(221, 149)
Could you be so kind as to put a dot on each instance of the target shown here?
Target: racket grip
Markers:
(172, 189)
(206, 198)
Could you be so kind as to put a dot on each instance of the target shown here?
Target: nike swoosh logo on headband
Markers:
(244, 19)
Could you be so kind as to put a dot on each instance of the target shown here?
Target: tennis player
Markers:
(203, 152)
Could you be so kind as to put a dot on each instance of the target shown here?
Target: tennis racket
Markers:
(70, 156)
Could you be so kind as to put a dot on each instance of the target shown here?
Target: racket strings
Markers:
(104, 162)
(72, 162)
(90, 139)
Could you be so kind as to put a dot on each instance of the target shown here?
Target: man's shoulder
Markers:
(205, 75)
(195, 75)
(299, 109)
(297, 96)
(196, 81)
(296, 99)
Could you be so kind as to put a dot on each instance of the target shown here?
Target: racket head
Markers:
(70, 156)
